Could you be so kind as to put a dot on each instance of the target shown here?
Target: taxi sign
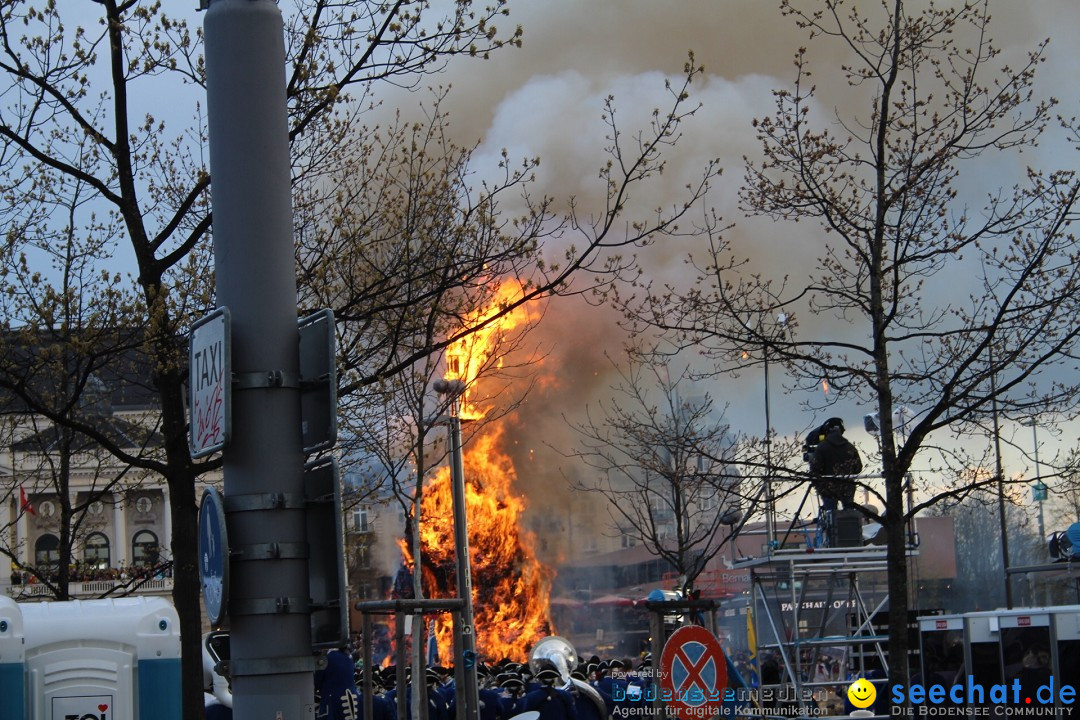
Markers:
(210, 384)
(693, 673)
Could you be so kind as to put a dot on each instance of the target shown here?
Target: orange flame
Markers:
(468, 357)
(510, 588)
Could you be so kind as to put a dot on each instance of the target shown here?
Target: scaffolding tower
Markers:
(807, 599)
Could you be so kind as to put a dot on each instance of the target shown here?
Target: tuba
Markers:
(559, 652)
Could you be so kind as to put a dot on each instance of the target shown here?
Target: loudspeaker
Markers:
(847, 529)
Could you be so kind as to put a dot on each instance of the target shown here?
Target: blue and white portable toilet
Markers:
(1067, 645)
(113, 659)
(12, 667)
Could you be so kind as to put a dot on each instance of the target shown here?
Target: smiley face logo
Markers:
(862, 693)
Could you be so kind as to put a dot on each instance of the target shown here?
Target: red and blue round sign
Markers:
(693, 673)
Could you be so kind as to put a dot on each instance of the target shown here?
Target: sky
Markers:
(545, 100)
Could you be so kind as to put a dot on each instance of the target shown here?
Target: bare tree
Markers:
(1067, 492)
(663, 460)
(65, 351)
(916, 300)
(72, 128)
(71, 115)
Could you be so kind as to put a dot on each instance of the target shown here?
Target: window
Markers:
(47, 551)
(96, 551)
(144, 548)
(363, 557)
(628, 540)
(662, 512)
(362, 519)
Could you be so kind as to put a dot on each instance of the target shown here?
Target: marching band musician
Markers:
(551, 702)
(335, 686)
(492, 704)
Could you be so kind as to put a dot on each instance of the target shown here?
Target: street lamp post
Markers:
(770, 502)
(770, 530)
(1000, 473)
(902, 415)
(1039, 488)
(465, 663)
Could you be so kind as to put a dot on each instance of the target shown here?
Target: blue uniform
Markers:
(339, 698)
(438, 708)
(218, 712)
(585, 708)
(551, 703)
(336, 685)
(492, 706)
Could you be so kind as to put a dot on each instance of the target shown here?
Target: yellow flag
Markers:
(751, 641)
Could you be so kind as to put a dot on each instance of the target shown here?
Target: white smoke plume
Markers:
(546, 100)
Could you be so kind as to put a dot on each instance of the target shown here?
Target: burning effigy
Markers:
(510, 586)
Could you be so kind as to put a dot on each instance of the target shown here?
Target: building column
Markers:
(22, 537)
(5, 561)
(121, 544)
(166, 540)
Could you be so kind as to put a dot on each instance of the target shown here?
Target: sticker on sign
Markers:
(86, 707)
(210, 383)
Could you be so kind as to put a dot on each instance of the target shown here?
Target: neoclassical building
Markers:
(61, 489)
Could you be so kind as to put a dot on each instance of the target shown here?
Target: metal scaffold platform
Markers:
(819, 614)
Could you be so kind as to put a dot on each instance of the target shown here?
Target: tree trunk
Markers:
(66, 555)
(184, 514)
(896, 559)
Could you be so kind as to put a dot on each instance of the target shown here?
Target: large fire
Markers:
(468, 358)
(511, 588)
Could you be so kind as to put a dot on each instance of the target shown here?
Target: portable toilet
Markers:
(1026, 643)
(112, 659)
(983, 651)
(941, 649)
(12, 667)
(1066, 622)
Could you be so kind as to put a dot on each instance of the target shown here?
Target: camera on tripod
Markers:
(817, 435)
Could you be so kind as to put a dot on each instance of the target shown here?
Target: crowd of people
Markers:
(593, 689)
(92, 572)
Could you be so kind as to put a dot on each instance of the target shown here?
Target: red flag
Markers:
(25, 502)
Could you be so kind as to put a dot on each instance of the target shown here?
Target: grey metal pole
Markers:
(1038, 475)
(271, 659)
(469, 693)
(1000, 472)
(770, 502)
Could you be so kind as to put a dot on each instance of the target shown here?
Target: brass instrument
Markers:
(559, 652)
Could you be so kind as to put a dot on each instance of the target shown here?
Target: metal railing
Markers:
(93, 589)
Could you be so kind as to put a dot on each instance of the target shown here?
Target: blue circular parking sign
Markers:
(213, 556)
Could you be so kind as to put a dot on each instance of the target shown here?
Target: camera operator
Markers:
(833, 460)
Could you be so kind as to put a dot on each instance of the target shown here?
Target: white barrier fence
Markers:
(93, 589)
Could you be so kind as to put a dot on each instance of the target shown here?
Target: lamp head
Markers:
(452, 388)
